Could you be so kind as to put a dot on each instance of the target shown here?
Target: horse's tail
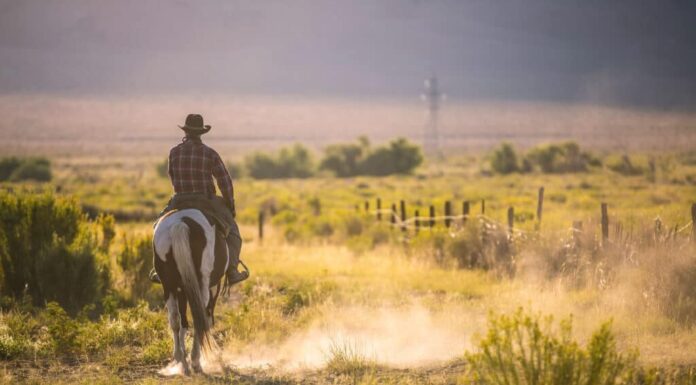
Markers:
(181, 249)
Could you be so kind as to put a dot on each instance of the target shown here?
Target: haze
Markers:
(631, 53)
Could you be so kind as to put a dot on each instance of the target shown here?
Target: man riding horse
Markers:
(192, 166)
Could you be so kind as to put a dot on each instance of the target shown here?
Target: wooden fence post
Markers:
(605, 223)
(417, 215)
(693, 221)
(261, 225)
(432, 216)
(392, 217)
(465, 211)
(448, 213)
(403, 215)
(511, 218)
(658, 228)
(379, 209)
(540, 205)
(483, 207)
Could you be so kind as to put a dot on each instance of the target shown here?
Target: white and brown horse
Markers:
(190, 262)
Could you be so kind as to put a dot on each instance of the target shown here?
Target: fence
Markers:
(399, 218)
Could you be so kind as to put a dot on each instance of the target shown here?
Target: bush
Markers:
(7, 167)
(293, 162)
(163, 168)
(625, 167)
(136, 260)
(550, 158)
(504, 159)
(399, 157)
(561, 158)
(522, 349)
(15, 169)
(51, 332)
(235, 169)
(343, 159)
(48, 251)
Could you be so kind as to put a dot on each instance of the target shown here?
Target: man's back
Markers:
(192, 166)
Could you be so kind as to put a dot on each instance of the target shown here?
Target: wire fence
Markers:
(397, 217)
(455, 223)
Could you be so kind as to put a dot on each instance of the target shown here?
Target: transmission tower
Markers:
(433, 97)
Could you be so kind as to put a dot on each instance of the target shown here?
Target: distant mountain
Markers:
(639, 53)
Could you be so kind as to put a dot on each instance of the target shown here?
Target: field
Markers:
(337, 296)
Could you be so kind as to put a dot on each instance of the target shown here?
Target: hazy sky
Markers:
(622, 52)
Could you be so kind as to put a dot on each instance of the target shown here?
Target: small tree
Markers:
(504, 159)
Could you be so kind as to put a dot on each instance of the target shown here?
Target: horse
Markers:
(190, 258)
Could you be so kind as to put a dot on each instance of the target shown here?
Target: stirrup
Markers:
(242, 275)
(154, 277)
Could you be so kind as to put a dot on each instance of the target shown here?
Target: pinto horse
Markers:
(190, 259)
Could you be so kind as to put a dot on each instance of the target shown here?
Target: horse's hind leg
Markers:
(178, 332)
(196, 356)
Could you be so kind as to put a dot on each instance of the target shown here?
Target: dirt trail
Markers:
(75, 372)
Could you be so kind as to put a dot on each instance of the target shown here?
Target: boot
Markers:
(234, 247)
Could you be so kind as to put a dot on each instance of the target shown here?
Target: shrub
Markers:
(345, 160)
(561, 158)
(163, 168)
(625, 167)
(235, 169)
(523, 349)
(262, 166)
(7, 167)
(135, 260)
(293, 162)
(49, 251)
(504, 159)
(296, 162)
(400, 157)
(52, 332)
(15, 169)
(348, 359)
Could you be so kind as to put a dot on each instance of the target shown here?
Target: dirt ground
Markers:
(44, 372)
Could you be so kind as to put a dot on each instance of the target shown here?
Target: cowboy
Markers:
(192, 166)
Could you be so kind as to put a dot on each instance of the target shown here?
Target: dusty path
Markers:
(54, 372)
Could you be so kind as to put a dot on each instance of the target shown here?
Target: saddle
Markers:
(213, 208)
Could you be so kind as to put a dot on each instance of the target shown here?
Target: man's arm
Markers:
(224, 182)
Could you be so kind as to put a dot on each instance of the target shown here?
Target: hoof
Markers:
(197, 368)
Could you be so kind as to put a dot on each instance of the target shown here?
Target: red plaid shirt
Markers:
(192, 166)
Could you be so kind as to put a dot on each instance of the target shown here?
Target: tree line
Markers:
(341, 160)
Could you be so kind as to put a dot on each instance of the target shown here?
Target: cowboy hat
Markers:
(194, 124)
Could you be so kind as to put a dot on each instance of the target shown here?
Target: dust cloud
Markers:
(398, 337)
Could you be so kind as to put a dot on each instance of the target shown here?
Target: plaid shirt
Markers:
(192, 166)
